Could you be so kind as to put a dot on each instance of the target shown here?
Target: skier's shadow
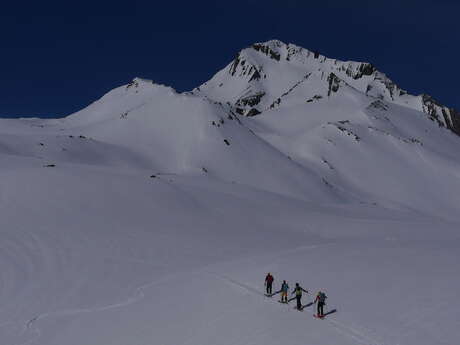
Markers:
(330, 312)
(307, 305)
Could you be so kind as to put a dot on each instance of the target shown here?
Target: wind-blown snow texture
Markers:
(152, 217)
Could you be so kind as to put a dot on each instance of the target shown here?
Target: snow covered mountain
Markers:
(274, 74)
(152, 216)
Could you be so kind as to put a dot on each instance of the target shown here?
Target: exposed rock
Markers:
(364, 69)
(340, 127)
(253, 112)
(455, 121)
(251, 100)
(334, 82)
(263, 91)
(444, 116)
(314, 98)
(255, 75)
(267, 51)
(234, 65)
(378, 104)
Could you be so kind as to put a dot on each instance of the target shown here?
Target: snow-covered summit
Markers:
(273, 74)
(314, 112)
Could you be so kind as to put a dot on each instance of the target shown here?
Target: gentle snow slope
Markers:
(107, 258)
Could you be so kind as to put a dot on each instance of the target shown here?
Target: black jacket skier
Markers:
(298, 295)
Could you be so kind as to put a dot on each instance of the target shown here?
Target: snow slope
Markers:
(152, 217)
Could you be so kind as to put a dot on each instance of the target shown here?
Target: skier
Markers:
(269, 283)
(284, 292)
(298, 295)
(320, 301)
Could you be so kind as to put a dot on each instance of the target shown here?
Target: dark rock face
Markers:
(132, 83)
(255, 75)
(437, 112)
(275, 103)
(432, 107)
(250, 100)
(378, 104)
(234, 65)
(253, 112)
(455, 116)
(390, 85)
(364, 69)
(241, 68)
(374, 84)
(314, 98)
(267, 51)
(333, 81)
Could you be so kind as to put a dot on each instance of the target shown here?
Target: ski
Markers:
(325, 314)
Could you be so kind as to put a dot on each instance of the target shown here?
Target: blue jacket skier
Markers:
(284, 292)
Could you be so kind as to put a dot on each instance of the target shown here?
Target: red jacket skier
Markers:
(269, 283)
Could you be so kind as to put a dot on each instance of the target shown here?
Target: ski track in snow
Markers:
(359, 336)
(348, 331)
(135, 297)
(352, 333)
(342, 328)
(139, 292)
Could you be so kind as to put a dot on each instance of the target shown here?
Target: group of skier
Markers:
(320, 299)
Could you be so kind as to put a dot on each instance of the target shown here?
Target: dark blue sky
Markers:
(59, 56)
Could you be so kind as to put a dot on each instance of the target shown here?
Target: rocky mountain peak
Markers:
(273, 74)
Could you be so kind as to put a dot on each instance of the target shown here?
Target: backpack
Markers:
(322, 297)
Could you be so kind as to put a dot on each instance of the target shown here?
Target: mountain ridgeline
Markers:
(263, 76)
(278, 118)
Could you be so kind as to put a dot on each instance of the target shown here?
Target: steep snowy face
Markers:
(274, 74)
(144, 126)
